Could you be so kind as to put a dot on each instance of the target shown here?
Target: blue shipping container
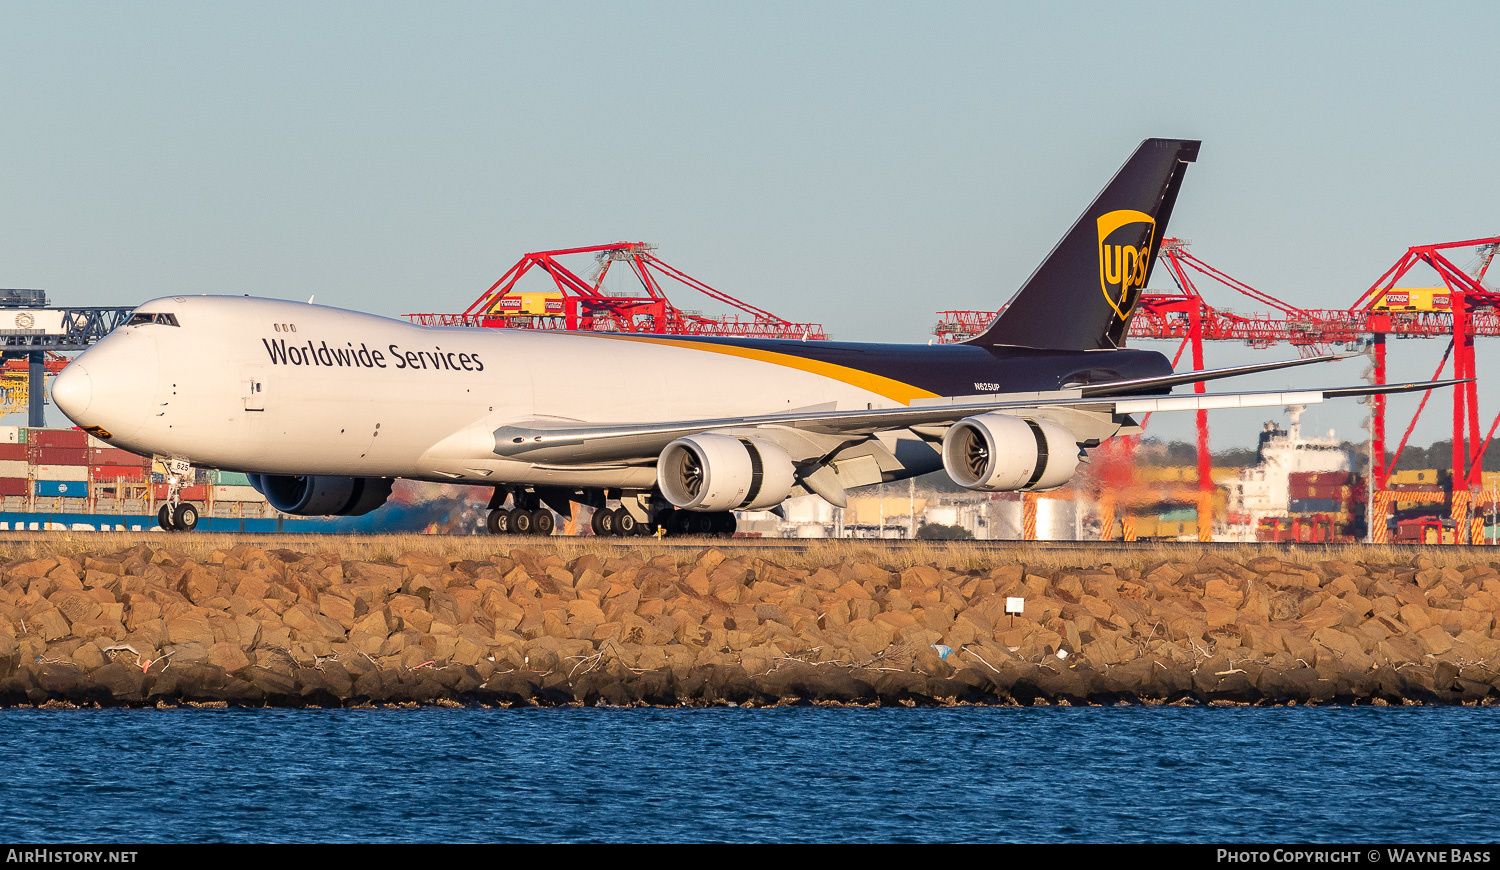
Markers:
(1316, 506)
(65, 488)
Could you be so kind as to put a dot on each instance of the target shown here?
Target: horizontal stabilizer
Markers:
(1142, 385)
(1382, 389)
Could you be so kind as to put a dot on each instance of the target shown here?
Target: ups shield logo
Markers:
(1125, 238)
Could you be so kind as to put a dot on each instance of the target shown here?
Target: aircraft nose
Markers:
(72, 390)
(112, 385)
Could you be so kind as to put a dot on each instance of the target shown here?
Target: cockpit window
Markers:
(140, 317)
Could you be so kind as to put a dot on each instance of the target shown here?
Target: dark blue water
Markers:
(800, 774)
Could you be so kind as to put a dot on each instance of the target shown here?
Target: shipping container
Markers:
(116, 456)
(60, 472)
(229, 478)
(1423, 530)
(189, 493)
(1421, 475)
(1314, 505)
(13, 486)
(236, 493)
(60, 456)
(1328, 491)
(10, 435)
(14, 468)
(129, 474)
(64, 488)
(1320, 478)
(67, 438)
(13, 453)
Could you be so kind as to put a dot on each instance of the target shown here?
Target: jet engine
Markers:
(1000, 453)
(711, 472)
(313, 496)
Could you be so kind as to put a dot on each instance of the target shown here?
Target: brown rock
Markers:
(228, 656)
(1433, 640)
(1220, 589)
(199, 585)
(1346, 650)
(337, 608)
(190, 628)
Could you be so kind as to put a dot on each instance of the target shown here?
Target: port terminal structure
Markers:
(33, 337)
(575, 303)
(1461, 309)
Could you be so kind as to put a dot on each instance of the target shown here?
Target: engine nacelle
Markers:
(997, 452)
(322, 496)
(711, 472)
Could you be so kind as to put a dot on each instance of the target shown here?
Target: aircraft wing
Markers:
(569, 441)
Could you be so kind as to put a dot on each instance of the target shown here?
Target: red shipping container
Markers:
(1322, 491)
(1319, 478)
(129, 473)
(13, 485)
(67, 438)
(61, 456)
(189, 493)
(12, 452)
(116, 456)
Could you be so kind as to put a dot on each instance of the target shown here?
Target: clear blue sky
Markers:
(859, 164)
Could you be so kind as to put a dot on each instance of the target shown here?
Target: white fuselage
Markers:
(274, 387)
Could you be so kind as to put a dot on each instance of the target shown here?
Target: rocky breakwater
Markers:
(546, 625)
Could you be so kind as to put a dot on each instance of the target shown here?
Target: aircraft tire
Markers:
(520, 522)
(700, 523)
(164, 518)
(185, 518)
(725, 524)
(498, 522)
(625, 524)
(542, 522)
(603, 522)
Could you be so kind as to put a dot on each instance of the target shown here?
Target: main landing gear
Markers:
(719, 524)
(527, 516)
(639, 514)
(618, 522)
(519, 521)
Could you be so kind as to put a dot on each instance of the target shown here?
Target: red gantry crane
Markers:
(1460, 310)
(578, 304)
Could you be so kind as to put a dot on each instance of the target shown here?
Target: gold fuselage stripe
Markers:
(889, 387)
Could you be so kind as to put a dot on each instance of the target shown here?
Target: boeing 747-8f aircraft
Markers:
(325, 408)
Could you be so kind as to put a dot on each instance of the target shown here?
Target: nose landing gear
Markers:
(177, 515)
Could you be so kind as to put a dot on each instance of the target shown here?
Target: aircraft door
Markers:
(253, 382)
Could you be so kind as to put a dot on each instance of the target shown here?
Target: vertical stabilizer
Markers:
(1083, 294)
